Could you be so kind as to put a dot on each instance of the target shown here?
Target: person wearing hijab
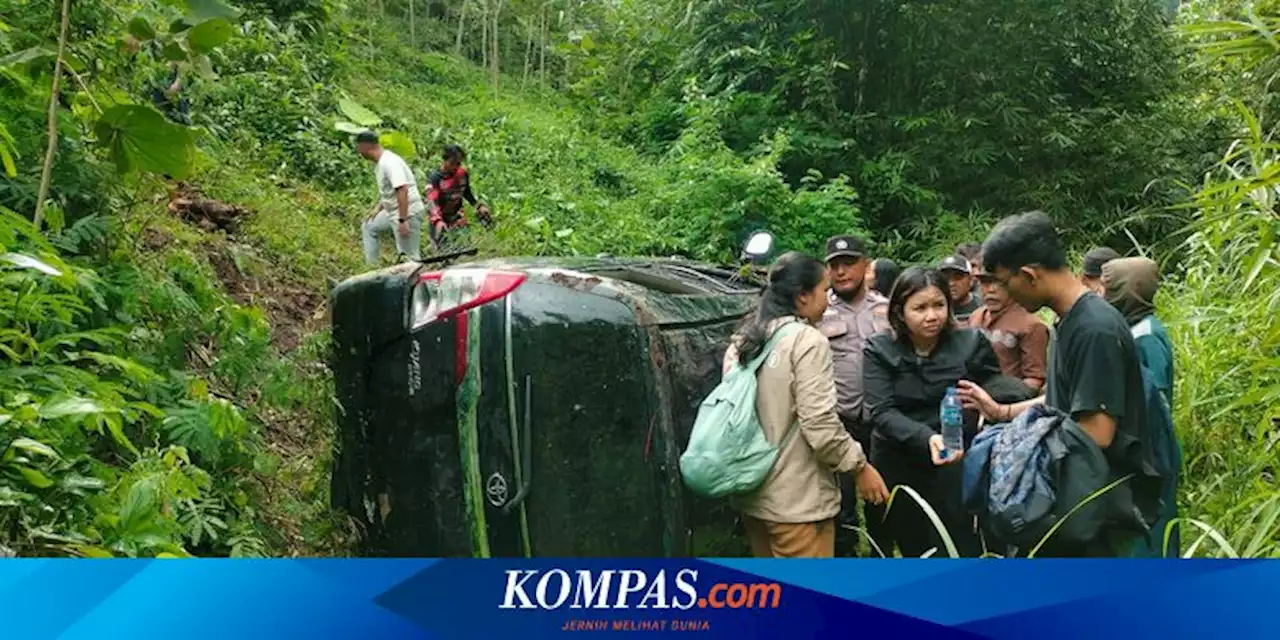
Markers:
(1130, 285)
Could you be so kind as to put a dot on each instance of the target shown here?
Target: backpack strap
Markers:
(786, 438)
(781, 332)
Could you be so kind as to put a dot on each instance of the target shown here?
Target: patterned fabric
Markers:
(446, 194)
(1020, 461)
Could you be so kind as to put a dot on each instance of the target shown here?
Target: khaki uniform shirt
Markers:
(848, 325)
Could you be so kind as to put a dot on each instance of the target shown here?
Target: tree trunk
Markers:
(484, 33)
(413, 27)
(528, 54)
(496, 57)
(462, 21)
(567, 24)
(542, 54)
(46, 174)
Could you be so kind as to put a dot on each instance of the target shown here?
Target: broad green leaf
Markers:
(178, 26)
(564, 233)
(140, 28)
(358, 113)
(398, 142)
(209, 35)
(34, 447)
(69, 407)
(10, 167)
(77, 484)
(201, 10)
(93, 552)
(170, 556)
(173, 52)
(349, 127)
(26, 56)
(24, 261)
(7, 150)
(116, 427)
(204, 66)
(199, 389)
(35, 478)
(140, 138)
(139, 506)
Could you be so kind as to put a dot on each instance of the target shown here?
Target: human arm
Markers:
(482, 210)
(814, 390)
(466, 189)
(1034, 348)
(175, 72)
(973, 396)
(1101, 358)
(402, 203)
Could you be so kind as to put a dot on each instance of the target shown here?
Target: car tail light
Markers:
(444, 294)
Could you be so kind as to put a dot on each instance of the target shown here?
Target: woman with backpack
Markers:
(792, 514)
(906, 374)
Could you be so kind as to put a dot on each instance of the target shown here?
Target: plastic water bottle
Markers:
(952, 414)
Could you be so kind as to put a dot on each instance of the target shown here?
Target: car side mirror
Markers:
(759, 245)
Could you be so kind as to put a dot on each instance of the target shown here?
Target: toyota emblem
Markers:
(496, 489)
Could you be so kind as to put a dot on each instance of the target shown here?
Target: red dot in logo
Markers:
(702, 603)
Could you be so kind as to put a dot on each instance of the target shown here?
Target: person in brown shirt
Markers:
(1020, 340)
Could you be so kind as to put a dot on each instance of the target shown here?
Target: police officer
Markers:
(854, 314)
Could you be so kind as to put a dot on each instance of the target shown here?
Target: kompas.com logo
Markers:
(631, 589)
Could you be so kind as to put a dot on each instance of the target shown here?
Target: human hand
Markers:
(939, 453)
(403, 228)
(976, 398)
(871, 485)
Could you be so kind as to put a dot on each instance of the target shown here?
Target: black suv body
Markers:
(530, 406)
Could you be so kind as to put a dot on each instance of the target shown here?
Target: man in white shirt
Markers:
(399, 210)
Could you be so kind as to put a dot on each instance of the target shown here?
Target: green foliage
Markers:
(91, 464)
(139, 137)
(1080, 109)
(162, 389)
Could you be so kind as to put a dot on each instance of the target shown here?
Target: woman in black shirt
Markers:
(905, 377)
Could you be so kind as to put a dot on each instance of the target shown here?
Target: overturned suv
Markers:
(530, 407)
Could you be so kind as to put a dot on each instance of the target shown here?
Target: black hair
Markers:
(913, 281)
(366, 136)
(1097, 257)
(969, 250)
(885, 272)
(454, 152)
(1024, 239)
(793, 274)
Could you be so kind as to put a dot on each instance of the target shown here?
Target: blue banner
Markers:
(738, 599)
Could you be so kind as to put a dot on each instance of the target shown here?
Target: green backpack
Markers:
(728, 453)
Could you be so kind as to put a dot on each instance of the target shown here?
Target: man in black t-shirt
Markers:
(1094, 371)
